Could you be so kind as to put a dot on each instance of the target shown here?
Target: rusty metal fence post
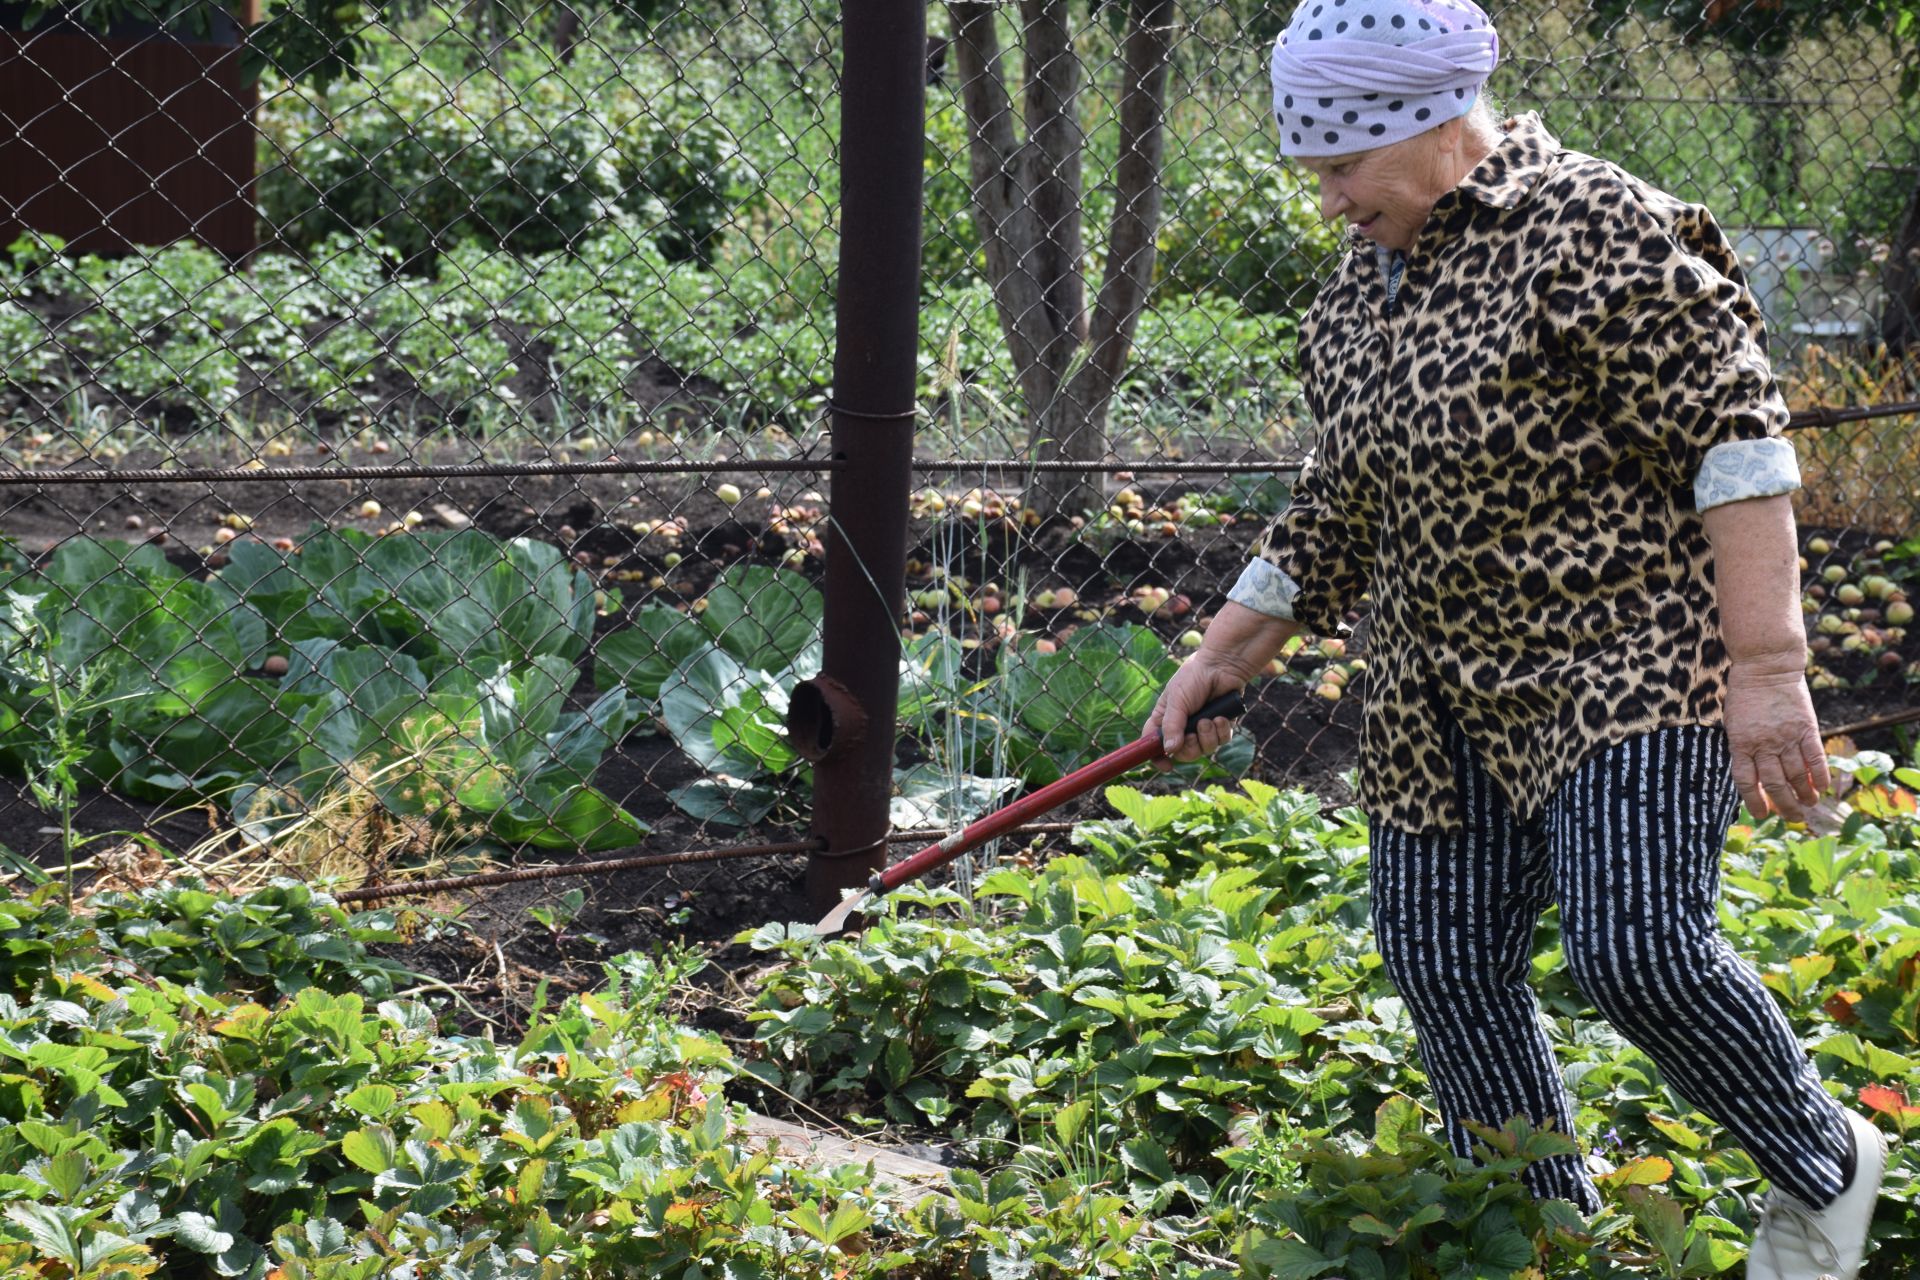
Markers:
(844, 720)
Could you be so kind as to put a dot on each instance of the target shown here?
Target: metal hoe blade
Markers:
(836, 919)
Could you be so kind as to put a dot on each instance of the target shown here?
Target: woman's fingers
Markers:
(1213, 735)
(1746, 782)
(1203, 738)
(1780, 792)
(1813, 759)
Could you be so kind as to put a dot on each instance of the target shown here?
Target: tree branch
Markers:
(1002, 206)
(1900, 283)
(1053, 162)
(1138, 188)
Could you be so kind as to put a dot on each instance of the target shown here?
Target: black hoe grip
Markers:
(1227, 704)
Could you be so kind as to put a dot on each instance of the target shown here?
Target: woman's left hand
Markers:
(1779, 764)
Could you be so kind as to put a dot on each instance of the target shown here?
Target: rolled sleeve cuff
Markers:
(1741, 469)
(1265, 589)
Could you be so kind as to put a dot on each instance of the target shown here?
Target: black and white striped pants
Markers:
(1630, 849)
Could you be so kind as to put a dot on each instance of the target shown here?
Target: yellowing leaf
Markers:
(1644, 1172)
(244, 1022)
(533, 1176)
(1068, 1120)
(657, 1105)
(1393, 1120)
(372, 1148)
(435, 1117)
(1679, 1134)
(373, 1100)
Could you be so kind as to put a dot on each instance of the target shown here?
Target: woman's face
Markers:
(1387, 193)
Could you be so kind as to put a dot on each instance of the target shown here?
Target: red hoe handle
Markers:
(1000, 821)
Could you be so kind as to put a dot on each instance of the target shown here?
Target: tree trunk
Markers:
(1900, 278)
(1774, 148)
(566, 32)
(1081, 417)
(1027, 206)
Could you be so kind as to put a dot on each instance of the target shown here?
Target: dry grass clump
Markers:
(388, 817)
(1858, 473)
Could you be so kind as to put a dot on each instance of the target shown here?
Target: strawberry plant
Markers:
(1189, 1016)
(195, 1083)
(275, 941)
(1170, 1005)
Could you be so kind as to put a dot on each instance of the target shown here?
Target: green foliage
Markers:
(1242, 227)
(1191, 1019)
(1409, 1207)
(513, 156)
(275, 941)
(1170, 1006)
(432, 670)
(1284, 837)
(1769, 28)
(950, 252)
(338, 327)
(721, 679)
(313, 39)
(194, 1084)
(1087, 698)
(160, 1116)
(1838, 167)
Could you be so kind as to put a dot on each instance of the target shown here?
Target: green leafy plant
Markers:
(721, 679)
(271, 942)
(1408, 1207)
(30, 673)
(519, 158)
(1099, 985)
(1088, 697)
(1240, 223)
(194, 1082)
(1191, 1018)
(430, 673)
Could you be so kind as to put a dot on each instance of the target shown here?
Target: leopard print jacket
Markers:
(1511, 466)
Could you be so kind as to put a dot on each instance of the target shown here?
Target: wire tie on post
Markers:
(857, 850)
(834, 407)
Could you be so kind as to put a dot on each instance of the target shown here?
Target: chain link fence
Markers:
(416, 418)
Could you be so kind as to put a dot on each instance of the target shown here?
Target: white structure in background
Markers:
(1788, 270)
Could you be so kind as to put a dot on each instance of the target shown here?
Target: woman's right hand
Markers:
(1200, 680)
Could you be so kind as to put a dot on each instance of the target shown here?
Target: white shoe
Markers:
(1796, 1241)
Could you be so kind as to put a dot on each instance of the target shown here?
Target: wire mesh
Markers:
(415, 420)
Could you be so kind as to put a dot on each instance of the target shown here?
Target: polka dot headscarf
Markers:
(1352, 75)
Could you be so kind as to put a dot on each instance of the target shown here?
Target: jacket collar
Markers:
(1515, 166)
(1504, 180)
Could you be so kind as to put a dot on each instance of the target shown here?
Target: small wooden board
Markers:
(907, 1173)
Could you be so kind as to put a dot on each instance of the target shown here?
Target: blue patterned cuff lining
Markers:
(1265, 589)
(1741, 469)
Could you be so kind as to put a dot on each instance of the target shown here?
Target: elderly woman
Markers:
(1550, 455)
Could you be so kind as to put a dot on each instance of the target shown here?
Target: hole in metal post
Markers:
(822, 718)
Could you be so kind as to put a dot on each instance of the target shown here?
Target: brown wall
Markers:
(117, 142)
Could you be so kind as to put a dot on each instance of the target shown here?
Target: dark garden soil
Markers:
(497, 964)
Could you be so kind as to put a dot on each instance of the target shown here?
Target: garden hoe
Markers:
(1001, 821)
